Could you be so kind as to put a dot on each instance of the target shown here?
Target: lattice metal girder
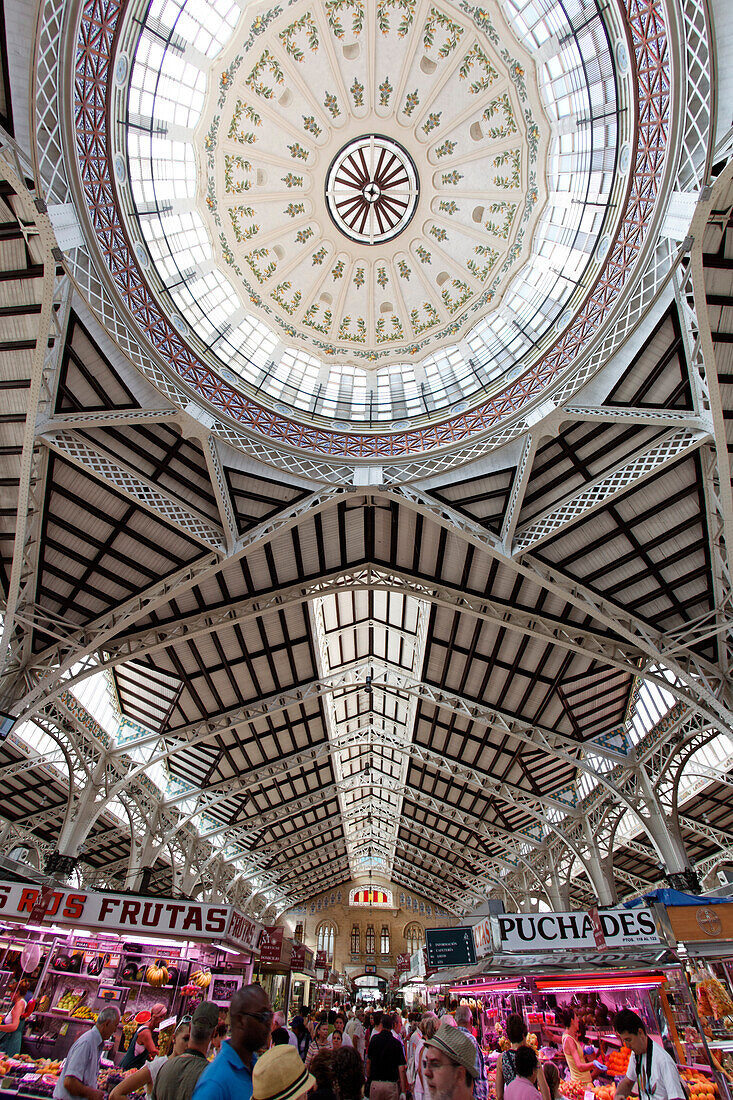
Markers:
(108, 418)
(221, 492)
(316, 881)
(699, 683)
(435, 896)
(144, 493)
(722, 837)
(29, 765)
(55, 294)
(597, 494)
(609, 414)
(249, 826)
(578, 638)
(50, 669)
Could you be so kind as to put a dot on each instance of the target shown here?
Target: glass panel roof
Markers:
(178, 49)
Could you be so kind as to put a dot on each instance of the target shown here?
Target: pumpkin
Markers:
(201, 978)
(157, 974)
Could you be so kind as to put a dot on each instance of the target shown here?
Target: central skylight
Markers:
(238, 122)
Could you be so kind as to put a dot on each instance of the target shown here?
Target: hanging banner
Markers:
(575, 931)
(271, 945)
(403, 963)
(301, 958)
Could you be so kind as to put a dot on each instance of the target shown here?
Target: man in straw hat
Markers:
(280, 1075)
(449, 1063)
(229, 1077)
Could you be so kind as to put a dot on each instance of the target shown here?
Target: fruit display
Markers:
(201, 978)
(157, 974)
(618, 1062)
(605, 1092)
(83, 1012)
(68, 1002)
(700, 1086)
(572, 1090)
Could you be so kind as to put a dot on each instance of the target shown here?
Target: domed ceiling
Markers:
(360, 213)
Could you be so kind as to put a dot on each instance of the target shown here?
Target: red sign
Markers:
(403, 963)
(42, 904)
(321, 960)
(271, 945)
(301, 957)
(598, 933)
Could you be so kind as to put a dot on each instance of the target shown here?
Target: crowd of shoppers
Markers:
(339, 1055)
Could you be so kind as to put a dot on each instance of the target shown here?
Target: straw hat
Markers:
(457, 1045)
(279, 1074)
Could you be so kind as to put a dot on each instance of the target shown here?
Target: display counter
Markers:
(705, 931)
(85, 954)
(594, 985)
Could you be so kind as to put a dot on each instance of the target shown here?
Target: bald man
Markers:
(229, 1077)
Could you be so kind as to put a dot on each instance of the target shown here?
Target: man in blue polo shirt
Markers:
(229, 1077)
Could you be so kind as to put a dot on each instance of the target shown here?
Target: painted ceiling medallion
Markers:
(372, 189)
(371, 172)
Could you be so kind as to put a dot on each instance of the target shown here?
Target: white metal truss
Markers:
(14, 635)
(696, 681)
(127, 483)
(633, 471)
(49, 671)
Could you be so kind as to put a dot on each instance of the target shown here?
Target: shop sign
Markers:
(124, 913)
(301, 957)
(450, 946)
(403, 963)
(703, 923)
(598, 933)
(321, 960)
(271, 945)
(482, 937)
(370, 968)
(575, 931)
(243, 931)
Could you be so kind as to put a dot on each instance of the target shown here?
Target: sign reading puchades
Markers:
(575, 931)
(450, 946)
(127, 914)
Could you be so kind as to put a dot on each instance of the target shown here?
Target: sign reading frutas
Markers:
(127, 914)
(450, 946)
(575, 931)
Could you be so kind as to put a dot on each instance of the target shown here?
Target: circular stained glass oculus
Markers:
(372, 189)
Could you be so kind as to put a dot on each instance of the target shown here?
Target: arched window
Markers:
(414, 938)
(370, 940)
(384, 940)
(298, 934)
(355, 939)
(326, 936)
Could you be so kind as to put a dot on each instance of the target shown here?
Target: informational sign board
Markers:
(127, 914)
(575, 931)
(450, 946)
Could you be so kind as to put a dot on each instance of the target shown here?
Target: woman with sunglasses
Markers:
(145, 1077)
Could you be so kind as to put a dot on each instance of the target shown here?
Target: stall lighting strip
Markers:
(490, 987)
(553, 985)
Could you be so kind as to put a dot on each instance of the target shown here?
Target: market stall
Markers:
(82, 951)
(704, 929)
(539, 965)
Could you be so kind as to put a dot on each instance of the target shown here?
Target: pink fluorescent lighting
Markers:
(489, 987)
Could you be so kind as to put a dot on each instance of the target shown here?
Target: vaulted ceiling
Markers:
(434, 679)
